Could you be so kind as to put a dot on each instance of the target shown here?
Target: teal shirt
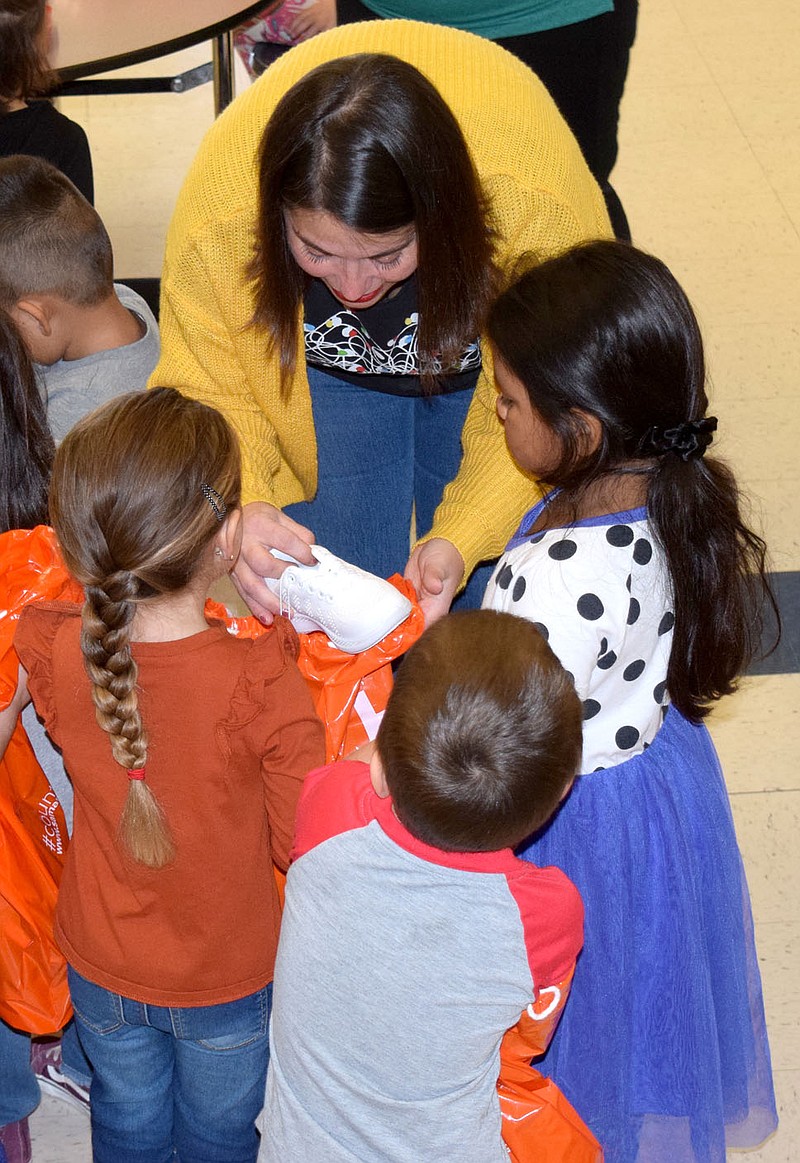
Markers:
(493, 18)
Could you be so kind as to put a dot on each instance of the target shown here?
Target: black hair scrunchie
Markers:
(687, 440)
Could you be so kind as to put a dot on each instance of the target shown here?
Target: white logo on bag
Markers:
(51, 834)
(539, 1016)
(370, 718)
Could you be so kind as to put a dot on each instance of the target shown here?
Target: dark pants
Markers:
(583, 66)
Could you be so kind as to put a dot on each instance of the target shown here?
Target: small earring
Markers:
(218, 552)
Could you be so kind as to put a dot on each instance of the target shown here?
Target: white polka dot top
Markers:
(599, 591)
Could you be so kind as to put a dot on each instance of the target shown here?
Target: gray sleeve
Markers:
(49, 759)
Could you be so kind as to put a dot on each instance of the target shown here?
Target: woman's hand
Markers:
(318, 18)
(435, 569)
(266, 528)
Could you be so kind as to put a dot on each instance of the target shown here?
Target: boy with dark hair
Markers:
(412, 936)
(91, 338)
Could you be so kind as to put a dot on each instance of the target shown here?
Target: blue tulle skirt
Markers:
(663, 1047)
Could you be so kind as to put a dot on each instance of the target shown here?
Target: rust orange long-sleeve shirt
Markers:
(232, 733)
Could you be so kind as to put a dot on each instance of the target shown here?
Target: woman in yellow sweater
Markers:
(332, 255)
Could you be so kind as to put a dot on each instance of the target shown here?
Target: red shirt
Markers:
(232, 733)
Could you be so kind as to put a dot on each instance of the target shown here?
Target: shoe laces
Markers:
(290, 582)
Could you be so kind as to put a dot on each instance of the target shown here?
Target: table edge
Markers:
(151, 52)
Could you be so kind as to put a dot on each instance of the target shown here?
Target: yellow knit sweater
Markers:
(543, 200)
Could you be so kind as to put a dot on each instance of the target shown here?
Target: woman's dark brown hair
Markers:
(605, 329)
(369, 140)
(26, 446)
(482, 733)
(24, 71)
(129, 506)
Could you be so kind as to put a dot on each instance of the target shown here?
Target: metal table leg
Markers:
(223, 71)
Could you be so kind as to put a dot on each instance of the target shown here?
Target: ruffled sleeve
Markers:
(272, 706)
(34, 641)
(267, 661)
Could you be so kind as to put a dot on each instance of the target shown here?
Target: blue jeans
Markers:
(19, 1090)
(173, 1083)
(380, 457)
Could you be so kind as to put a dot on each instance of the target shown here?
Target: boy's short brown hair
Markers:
(52, 242)
(482, 733)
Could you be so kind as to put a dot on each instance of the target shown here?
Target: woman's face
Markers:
(358, 269)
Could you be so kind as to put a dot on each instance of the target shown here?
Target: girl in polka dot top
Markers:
(637, 568)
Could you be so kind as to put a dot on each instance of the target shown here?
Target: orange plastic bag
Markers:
(33, 973)
(539, 1124)
(33, 831)
(350, 691)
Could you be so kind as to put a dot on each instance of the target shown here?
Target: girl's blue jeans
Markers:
(380, 457)
(173, 1083)
(19, 1090)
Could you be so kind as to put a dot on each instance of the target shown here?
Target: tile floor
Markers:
(710, 179)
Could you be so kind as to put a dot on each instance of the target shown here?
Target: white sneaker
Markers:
(354, 608)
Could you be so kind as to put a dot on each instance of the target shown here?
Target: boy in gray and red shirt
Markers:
(412, 937)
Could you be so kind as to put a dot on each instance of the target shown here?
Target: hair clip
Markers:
(136, 773)
(688, 440)
(215, 501)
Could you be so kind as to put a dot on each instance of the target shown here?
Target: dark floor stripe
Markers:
(785, 659)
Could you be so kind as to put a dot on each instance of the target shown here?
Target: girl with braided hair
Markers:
(638, 569)
(187, 748)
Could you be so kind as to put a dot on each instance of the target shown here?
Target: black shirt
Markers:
(40, 130)
(376, 348)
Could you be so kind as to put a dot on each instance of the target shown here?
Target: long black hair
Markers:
(605, 329)
(369, 140)
(25, 440)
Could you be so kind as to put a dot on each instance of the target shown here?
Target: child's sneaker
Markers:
(354, 608)
(46, 1062)
(15, 1142)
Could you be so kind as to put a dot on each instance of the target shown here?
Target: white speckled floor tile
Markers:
(767, 829)
(665, 53)
(776, 516)
(778, 944)
(757, 734)
(60, 1133)
(782, 1147)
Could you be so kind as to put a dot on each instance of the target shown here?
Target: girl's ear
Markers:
(591, 431)
(229, 538)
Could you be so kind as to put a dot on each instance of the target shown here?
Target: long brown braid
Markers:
(133, 522)
(107, 615)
